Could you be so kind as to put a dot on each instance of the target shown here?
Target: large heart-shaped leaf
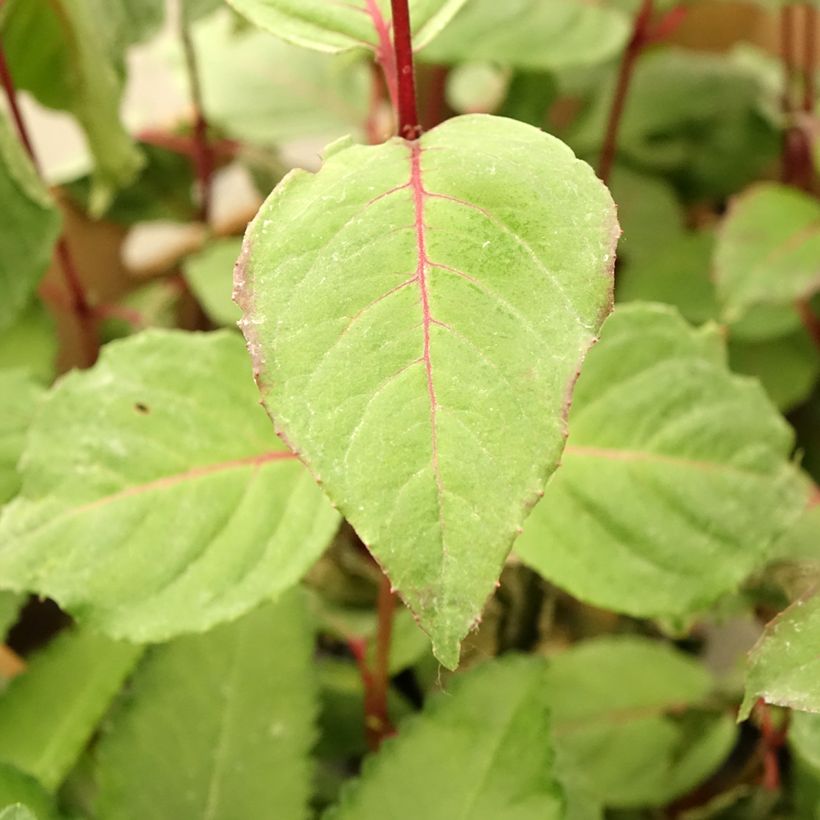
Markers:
(331, 25)
(768, 249)
(675, 480)
(417, 313)
(217, 726)
(477, 752)
(155, 498)
(540, 35)
(28, 229)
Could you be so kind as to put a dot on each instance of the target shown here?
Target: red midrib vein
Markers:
(427, 320)
(187, 475)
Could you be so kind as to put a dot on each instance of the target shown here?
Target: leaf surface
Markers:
(784, 665)
(17, 811)
(21, 396)
(28, 229)
(18, 787)
(539, 35)
(209, 274)
(417, 314)
(675, 480)
(339, 26)
(217, 726)
(768, 250)
(188, 511)
(479, 751)
(50, 711)
(624, 720)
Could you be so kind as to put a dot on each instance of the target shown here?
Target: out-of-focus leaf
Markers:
(19, 787)
(30, 344)
(29, 227)
(209, 274)
(153, 304)
(50, 711)
(20, 395)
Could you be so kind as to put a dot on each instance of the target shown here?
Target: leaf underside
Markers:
(417, 314)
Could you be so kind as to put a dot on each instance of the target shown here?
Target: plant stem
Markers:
(203, 157)
(80, 305)
(640, 35)
(809, 57)
(409, 126)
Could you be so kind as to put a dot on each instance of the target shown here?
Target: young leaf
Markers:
(784, 666)
(18, 787)
(480, 751)
(21, 395)
(69, 54)
(768, 250)
(335, 27)
(50, 711)
(542, 35)
(217, 725)
(624, 720)
(417, 313)
(28, 229)
(155, 498)
(262, 90)
(209, 274)
(675, 480)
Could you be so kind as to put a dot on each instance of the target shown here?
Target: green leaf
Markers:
(17, 812)
(217, 725)
(417, 313)
(188, 511)
(261, 90)
(50, 711)
(784, 665)
(30, 343)
(18, 787)
(804, 737)
(28, 230)
(335, 27)
(675, 480)
(209, 275)
(10, 603)
(21, 396)
(768, 250)
(479, 751)
(787, 366)
(154, 304)
(625, 720)
(542, 35)
(68, 54)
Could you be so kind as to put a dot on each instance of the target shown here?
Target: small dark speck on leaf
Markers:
(142, 408)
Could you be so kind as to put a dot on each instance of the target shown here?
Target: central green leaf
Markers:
(417, 313)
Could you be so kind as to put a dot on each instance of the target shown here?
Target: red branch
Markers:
(376, 680)
(772, 740)
(203, 157)
(80, 305)
(385, 56)
(640, 36)
(409, 126)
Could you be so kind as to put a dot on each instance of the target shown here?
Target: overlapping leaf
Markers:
(629, 719)
(156, 499)
(480, 751)
(21, 395)
(543, 35)
(768, 250)
(675, 480)
(28, 229)
(209, 274)
(50, 711)
(69, 54)
(217, 726)
(340, 26)
(784, 666)
(417, 314)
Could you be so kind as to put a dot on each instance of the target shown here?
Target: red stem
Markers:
(385, 56)
(772, 741)
(436, 109)
(809, 319)
(409, 126)
(809, 58)
(80, 305)
(640, 36)
(203, 156)
(376, 680)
